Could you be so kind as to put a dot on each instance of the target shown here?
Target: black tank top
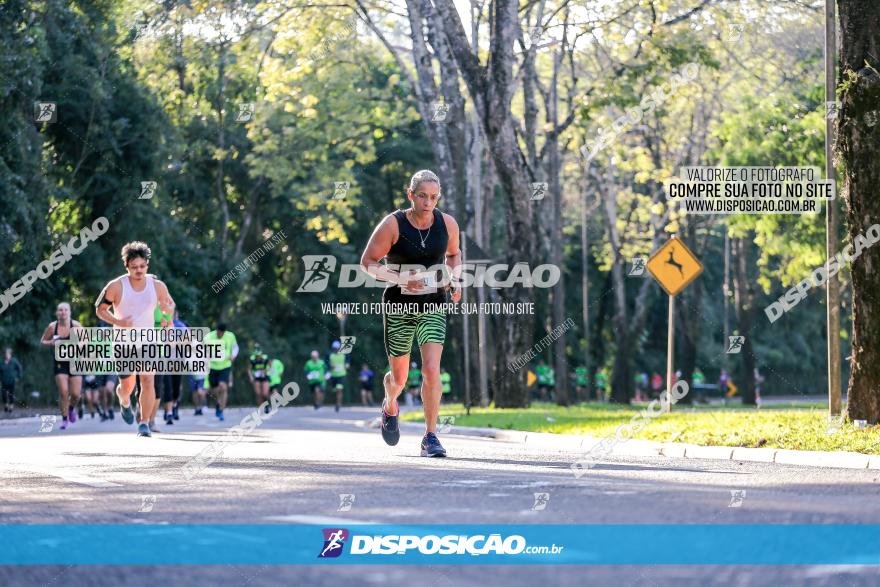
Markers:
(426, 247)
(62, 338)
(68, 331)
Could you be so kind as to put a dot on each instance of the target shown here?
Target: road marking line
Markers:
(328, 520)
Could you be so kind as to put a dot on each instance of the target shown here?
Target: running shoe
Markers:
(220, 415)
(174, 413)
(127, 414)
(79, 412)
(198, 412)
(111, 415)
(169, 419)
(143, 429)
(71, 414)
(217, 410)
(64, 424)
(104, 417)
(390, 428)
(337, 407)
(431, 446)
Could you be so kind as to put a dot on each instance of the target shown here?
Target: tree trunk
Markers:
(585, 292)
(554, 169)
(492, 89)
(858, 146)
(744, 302)
(437, 123)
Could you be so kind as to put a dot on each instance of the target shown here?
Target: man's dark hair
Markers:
(221, 327)
(133, 250)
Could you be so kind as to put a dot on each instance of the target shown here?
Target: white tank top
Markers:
(140, 305)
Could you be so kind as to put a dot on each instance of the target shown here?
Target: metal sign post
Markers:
(674, 266)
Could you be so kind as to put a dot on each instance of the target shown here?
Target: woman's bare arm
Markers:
(377, 248)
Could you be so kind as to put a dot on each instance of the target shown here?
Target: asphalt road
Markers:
(294, 468)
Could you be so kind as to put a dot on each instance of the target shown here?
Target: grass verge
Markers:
(794, 426)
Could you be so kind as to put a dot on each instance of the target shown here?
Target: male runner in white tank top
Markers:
(134, 297)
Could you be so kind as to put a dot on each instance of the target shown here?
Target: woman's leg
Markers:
(61, 382)
(432, 389)
(394, 382)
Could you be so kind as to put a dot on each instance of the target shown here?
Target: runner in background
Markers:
(163, 382)
(759, 382)
(602, 385)
(68, 385)
(258, 365)
(107, 389)
(107, 384)
(198, 386)
(92, 393)
(542, 372)
(338, 364)
(220, 370)
(414, 382)
(641, 387)
(316, 373)
(656, 385)
(366, 379)
(10, 374)
(581, 382)
(172, 410)
(445, 384)
(276, 369)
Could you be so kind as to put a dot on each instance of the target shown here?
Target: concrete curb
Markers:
(647, 448)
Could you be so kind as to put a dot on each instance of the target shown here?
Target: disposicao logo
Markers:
(449, 544)
(334, 540)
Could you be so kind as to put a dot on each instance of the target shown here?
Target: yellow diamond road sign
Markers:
(530, 379)
(674, 266)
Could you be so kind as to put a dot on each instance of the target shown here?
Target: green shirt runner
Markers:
(315, 370)
(446, 381)
(228, 341)
(276, 368)
(543, 374)
(337, 364)
(414, 377)
(259, 364)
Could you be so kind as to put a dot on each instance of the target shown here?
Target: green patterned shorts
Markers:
(400, 329)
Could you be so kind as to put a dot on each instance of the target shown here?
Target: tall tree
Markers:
(491, 87)
(858, 145)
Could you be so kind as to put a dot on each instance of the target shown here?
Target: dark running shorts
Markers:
(216, 376)
(63, 368)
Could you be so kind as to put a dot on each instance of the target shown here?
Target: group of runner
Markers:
(420, 235)
(330, 372)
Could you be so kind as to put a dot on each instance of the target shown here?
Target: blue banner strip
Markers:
(277, 544)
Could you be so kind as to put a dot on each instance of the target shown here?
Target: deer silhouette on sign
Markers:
(671, 261)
